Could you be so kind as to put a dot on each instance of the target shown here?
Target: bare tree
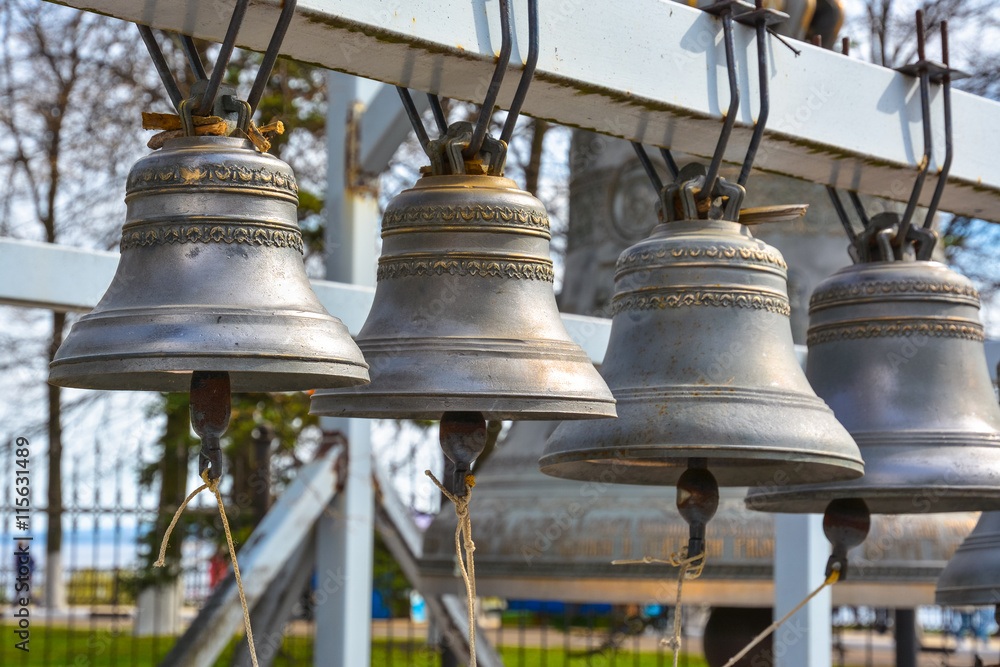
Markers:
(72, 89)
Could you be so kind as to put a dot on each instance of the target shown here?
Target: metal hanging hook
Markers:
(486, 112)
(271, 55)
(761, 18)
(668, 158)
(920, 69)
(222, 61)
(526, 75)
(904, 232)
(438, 111)
(647, 164)
(160, 63)
(193, 58)
(413, 115)
(945, 76)
(838, 206)
(724, 10)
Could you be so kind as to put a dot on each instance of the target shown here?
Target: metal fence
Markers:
(105, 521)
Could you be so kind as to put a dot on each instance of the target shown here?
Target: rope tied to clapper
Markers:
(829, 581)
(463, 541)
(213, 486)
(690, 569)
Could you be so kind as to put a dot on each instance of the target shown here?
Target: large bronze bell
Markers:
(896, 349)
(972, 576)
(210, 279)
(702, 364)
(464, 317)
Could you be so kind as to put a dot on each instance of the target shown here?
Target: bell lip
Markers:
(248, 373)
(370, 405)
(755, 465)
(972, 596)
(880, 500)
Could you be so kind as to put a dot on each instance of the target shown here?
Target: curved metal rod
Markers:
(413, 115)
(529, 71)
(271, 55)
(647, 164)
(946, 167)
(925, 112)
(222, 62)
(486, 112)
(765, 101)
(842, 213)
(859, 207)
(193, 57)
(439, 117)
(671, 164)
(160, 63)
(734, 104)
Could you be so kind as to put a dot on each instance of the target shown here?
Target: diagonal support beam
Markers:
(286, 526)
(659, 79)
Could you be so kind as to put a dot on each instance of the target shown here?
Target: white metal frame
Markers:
(654, 73)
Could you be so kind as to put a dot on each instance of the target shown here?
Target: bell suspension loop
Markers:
(891, 236)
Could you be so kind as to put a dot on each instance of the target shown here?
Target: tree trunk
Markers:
(55, 594)
(260, 476)
(532, 171)
(173, 485)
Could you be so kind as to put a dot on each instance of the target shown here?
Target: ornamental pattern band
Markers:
(936, 328)
(714, 252)
(389, 269)
(210, 174)
(895, 288)
(732, 299)
(499, 216)
(260, 235)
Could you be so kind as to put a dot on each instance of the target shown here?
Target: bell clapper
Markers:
(210, 411)
(697, 502)
(846, 523)
(463, 439)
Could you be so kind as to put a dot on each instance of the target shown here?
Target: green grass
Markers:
(58, 647)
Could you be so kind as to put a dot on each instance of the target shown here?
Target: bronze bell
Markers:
(972, 576)
(896, 349)
(702, 364)
(210, 279)
(464, 317)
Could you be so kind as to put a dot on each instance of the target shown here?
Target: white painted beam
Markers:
(800, 554)
(384, 127)
(56, 277)
(655, 73)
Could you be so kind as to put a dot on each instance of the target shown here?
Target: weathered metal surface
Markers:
(210, 279)
(464, 317)
(896, 349)
(661, 80)
(539, 537)
(972, 576)
(702, 364)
